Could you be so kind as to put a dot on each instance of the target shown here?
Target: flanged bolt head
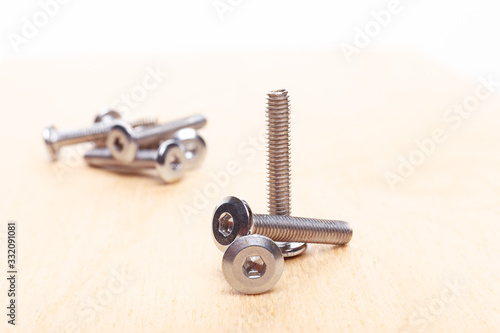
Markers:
(253, 264)
(170, 161)
(232, 219)
(122, 142)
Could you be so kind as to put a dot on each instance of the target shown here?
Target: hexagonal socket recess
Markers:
(253, 264)
(233, 219)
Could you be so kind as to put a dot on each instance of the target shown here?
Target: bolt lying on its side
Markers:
(233, 219)
(185, 151)
(55, 140)
(123, 142)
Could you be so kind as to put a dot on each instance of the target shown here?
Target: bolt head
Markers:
(122, 142)
(170, 161)
(232, 219)
(193, 145)
(49, 137)
(253, 264)
(107, 115)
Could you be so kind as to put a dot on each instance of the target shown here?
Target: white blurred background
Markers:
(462, 35)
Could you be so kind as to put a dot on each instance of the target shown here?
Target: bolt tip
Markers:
(277, 93)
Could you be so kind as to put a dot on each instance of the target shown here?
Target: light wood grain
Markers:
(80, 228)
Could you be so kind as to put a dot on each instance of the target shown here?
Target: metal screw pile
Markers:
(171, 148)
(254, 245)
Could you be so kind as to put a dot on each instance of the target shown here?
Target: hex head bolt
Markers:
(233, 219)
(279, 188)
(253, 264)
(123, 142)
(55, 140)
(171, 159)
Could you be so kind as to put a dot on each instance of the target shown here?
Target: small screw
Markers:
(123, 142)
(55, 140)
(253, 264)
(185, 151)
(279, 178)
(233, 219)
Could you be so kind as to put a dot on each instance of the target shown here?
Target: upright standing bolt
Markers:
(233, 219)
(171, 159)
(279, 188)
(124, 143)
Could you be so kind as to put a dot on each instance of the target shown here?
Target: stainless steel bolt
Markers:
(185, 151)
(279, 182)
(233, 219)
(55, 140)
(253, 264)
(123, 142)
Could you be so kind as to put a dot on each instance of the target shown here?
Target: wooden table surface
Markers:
(377, 143)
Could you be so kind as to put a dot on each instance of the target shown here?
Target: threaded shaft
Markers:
(278, 153)
(101, 157)
(154, 134)
(96, 132)
(299, 229)
(144, 121)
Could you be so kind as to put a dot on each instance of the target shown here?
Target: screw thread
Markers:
(154, 134)
(96, 132)
(278, 153)
(299, 229)
(144, 121)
